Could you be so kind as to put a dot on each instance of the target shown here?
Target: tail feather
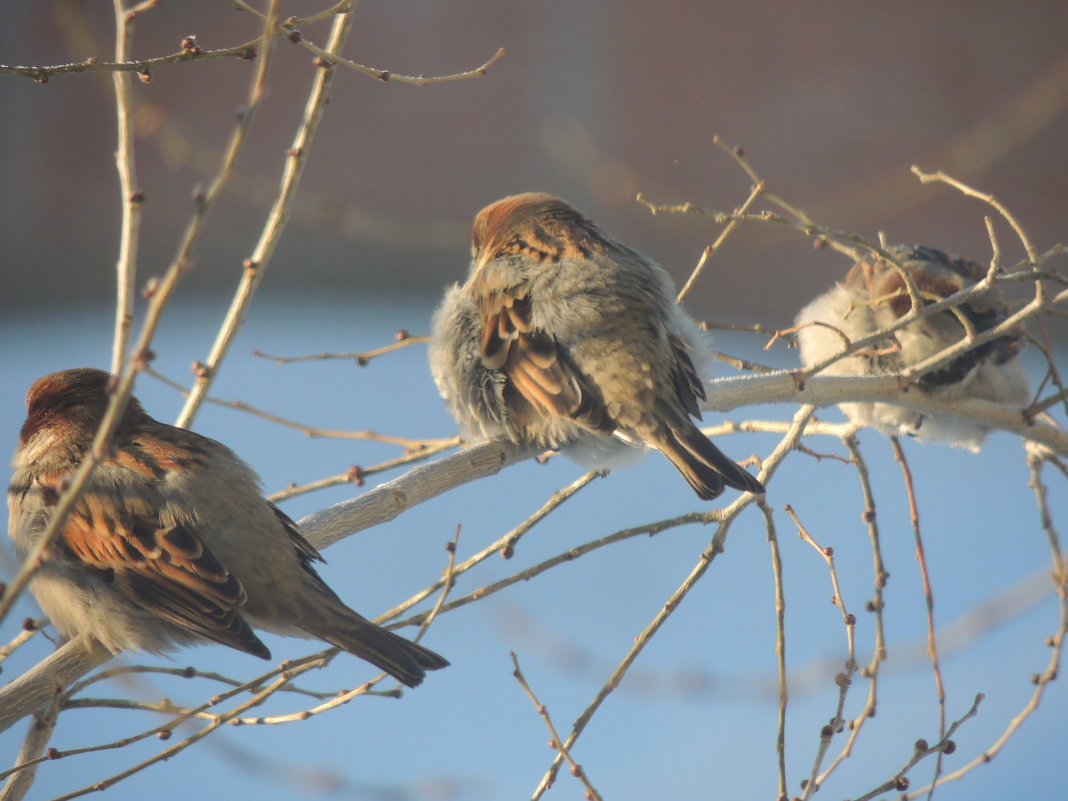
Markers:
(704, 466)
(403, 659)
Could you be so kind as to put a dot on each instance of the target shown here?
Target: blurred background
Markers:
(832, 102)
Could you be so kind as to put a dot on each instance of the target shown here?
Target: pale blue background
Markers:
(696, 717)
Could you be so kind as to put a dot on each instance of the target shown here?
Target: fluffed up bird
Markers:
(171, 542)
(562, 337)
(873, 296)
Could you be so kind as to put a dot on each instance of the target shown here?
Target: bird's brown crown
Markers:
(537, 225)
(936, 274)
(74, 398)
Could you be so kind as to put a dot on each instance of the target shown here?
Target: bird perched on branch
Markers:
(562, 337)
(874, 296)
(171, 543)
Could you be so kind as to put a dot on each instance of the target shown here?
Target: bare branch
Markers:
(245, 52)
(404, 339)
(419, 484)
(557, 743)
(780, 642)
(928, 597)
(715, 547)
(726, 394)
(257, 262)
(38, 686)
(926, 178)
(131, 195)
(331, 55)
(844, 680)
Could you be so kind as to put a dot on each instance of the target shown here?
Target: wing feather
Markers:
(163, 567)
(535, 364)
(688, 385)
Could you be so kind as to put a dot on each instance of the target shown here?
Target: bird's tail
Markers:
(403, 659)
(704, 466)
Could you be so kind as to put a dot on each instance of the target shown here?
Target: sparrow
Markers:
(171, 543)
(563, 338)
(873, 296)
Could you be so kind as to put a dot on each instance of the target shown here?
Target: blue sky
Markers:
(696, 716)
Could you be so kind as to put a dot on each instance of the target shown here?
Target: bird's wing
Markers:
(535, 364)
(158, 561)
(306, 552)
(688, 385)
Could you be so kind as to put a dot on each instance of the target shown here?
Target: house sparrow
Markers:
(171, 543)
(873, 296)
(562, 337)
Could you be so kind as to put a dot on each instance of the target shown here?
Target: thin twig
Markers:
(204, 199)
(718, 325)
(1055, 642)
(570, 555)
(926, 178)
(25, 770)
(1053, 373)
(511, 539)
(921, 751)
(780, 641)
(98, 450)
(360, 358)
(131, 196)
(918, 310)
(757, 190)
(844, 680)
(357, 474)
(307, 430)
(331, 54)
(330, 700)
(557, 743)
(447, 581)
(704, 561)
(738, 154)
(504, 545)
(341, 7)
(140, 357)
(256, 264)
(167, 753)
(71, 702)
(928, 596)
(245, 52)
(741, 364)
(24, 636)
(875, 606)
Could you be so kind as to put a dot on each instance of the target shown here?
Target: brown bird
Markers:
(871, 297)
(171, 543)
(564, 338)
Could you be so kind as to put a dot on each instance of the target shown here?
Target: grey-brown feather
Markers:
(863, 303)
(599, 320)
(227, 558)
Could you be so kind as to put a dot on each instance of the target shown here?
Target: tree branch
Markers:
(245, 52)
(38, 686)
